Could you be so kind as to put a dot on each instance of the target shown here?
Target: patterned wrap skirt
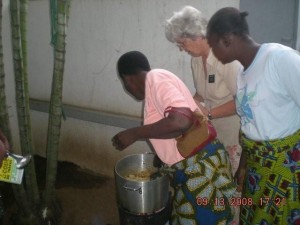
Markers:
(272, 182)
(203, 188)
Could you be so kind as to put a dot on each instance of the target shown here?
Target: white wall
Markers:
(99, 32)
(298, 29)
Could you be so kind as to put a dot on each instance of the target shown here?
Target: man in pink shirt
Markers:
(163, 89)
(203, 181)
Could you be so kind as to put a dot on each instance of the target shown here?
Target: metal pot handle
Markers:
(139, 189)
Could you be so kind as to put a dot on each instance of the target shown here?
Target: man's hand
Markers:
(123, 139)
(4, 147)
(3, 152)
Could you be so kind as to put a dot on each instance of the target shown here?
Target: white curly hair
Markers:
(189, 22)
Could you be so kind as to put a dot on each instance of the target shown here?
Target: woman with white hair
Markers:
(215, 82)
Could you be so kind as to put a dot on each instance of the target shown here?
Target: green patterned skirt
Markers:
(203, 188)
(272, 182)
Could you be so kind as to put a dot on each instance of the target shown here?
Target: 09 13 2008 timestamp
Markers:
(234, 201)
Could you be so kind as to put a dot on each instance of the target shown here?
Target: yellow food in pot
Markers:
(140, 176)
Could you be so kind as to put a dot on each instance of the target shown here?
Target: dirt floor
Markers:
(86, 198)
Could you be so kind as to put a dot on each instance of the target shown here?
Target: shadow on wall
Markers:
(69, 175)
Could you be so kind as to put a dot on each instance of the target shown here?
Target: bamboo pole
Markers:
(59, 11)
(3, 108)
(22, 96)
(19, 192)
(33, 187)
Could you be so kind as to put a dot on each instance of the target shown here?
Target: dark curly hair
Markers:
(131, 63)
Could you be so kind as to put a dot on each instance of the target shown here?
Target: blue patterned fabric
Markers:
(203, 188)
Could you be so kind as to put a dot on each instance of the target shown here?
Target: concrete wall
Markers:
(99, 32)
(273, 21)
(298, 28)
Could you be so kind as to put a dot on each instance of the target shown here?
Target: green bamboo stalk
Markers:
(60, 11)
(22, 99)
(3, 108)
(31, 173)
(19, 192)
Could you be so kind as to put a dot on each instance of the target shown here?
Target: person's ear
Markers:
(227, 40)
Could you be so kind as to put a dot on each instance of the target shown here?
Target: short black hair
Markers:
(132, 62)
(228, 20)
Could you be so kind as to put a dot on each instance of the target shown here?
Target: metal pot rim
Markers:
(139, 181)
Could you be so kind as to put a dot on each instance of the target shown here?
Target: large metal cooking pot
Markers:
(140, 197)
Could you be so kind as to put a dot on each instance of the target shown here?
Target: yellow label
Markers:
(9, 171)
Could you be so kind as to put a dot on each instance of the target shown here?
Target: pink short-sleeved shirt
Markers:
(164, 89)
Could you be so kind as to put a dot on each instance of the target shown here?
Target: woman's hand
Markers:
(198, 98)
(200, 103)
(240, 174)
(123, 139)
(239, 178)
(204, 110)
(4, 140)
